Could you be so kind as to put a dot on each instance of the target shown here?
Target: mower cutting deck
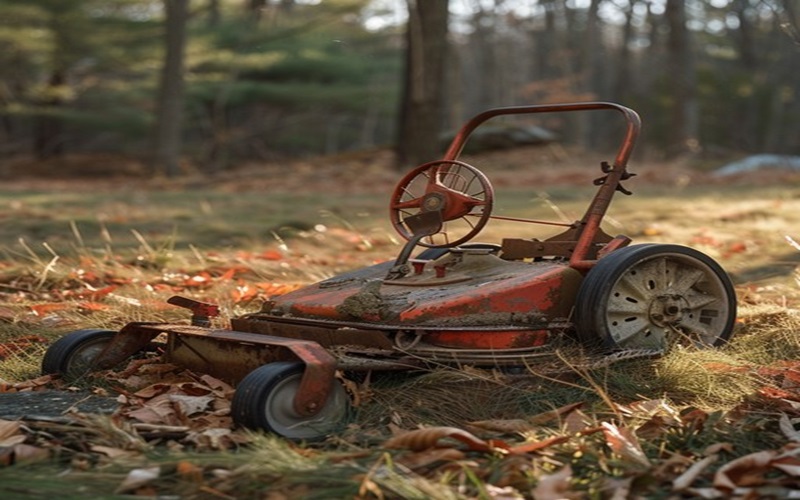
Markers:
(456, 302)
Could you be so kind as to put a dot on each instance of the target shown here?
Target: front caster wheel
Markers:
(264, 399)
(651, 296)
(73, 355)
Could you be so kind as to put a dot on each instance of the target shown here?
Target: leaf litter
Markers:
(172, 433)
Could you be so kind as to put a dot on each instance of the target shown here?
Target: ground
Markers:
(94, 251)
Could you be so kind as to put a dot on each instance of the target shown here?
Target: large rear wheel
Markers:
(264, 399)
(651, 296)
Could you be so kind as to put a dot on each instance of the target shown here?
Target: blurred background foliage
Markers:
(267, 80)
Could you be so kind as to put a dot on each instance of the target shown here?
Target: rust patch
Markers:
(488, 339)
(367, 304)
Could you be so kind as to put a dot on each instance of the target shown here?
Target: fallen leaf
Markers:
(189, 471)
(744, 471)
(91, 306)
(555, 486)
(138, 478)
(191, 405)
(10, 433)
(538, 445)
(576, 421)
(44, 309)
(428, 457)
(508, 426)
(788, 429)
(686, 479)
(558, 413)
(26, 454)
(111, 452)
(429, 437)
(624, 443)
(270, 255)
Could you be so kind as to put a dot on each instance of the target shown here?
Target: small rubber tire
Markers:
(651, 296)
(264, 400)
(72, 355)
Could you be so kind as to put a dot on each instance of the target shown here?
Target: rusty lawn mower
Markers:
(456, 302)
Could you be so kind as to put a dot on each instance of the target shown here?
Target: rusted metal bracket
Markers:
(606, 168)
(315, 384)
(425, 223)
(202, 312)
(561, 245)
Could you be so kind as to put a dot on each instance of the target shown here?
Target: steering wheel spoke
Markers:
(460, 191)
(407, 204)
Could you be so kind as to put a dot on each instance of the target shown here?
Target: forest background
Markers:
(235, 150)
(208, 85)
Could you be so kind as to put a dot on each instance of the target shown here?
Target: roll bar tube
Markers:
(590, 223)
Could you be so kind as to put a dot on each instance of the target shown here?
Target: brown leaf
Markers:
(10, 433)
(656, 426)
(213, 439)
(190, 405)
(189, 471)
(686, 479)
(788, 464)
(555, 486)
(557, 414)
(788, 429)
(429, 437)
(152, 391)
(509, 426)
(25, 454)
(152, 414)
(111, 452)
(44, 309)
(430, 456)
(744, 471)
(538, 445)
(9, 428)
(217, 384)
(576, 422)
(624, 443)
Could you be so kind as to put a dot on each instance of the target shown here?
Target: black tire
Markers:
(264, 400)
(651, 296)
(73, 354)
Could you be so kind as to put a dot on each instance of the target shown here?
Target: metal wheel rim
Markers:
(284, 420)
(81, 360)
(666, 299)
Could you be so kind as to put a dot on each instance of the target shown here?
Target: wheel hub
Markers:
(668, 309)
(432, 202)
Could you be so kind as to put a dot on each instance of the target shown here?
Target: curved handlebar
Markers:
(632, 118)
(589, 225)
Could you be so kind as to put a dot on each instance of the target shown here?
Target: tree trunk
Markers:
(48, 130)
(681, 74)
(169, 120)
(623, 78)
(422, 103)
(544, 44)
(592, 83)
(214, 14)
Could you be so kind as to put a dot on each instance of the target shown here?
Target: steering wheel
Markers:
(461, 192)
